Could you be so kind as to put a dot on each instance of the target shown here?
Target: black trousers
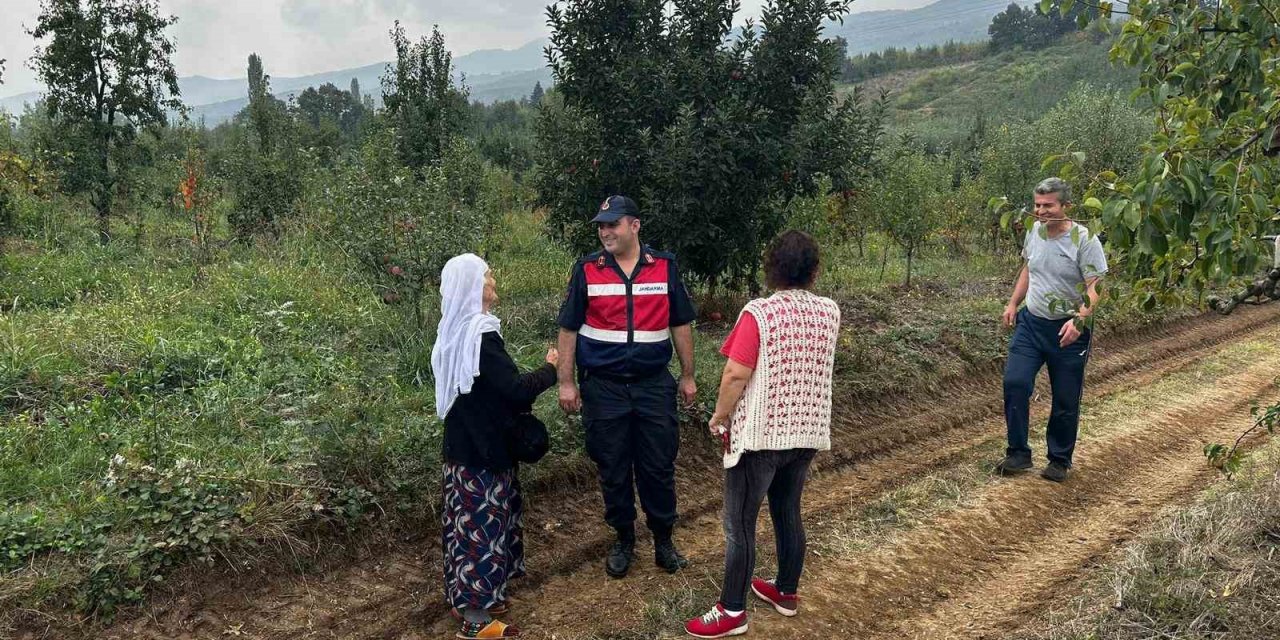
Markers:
(632, 434)
(780, 475)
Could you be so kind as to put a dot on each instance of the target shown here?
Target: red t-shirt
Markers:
(743, 344)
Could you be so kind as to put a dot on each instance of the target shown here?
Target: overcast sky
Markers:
(300, 37)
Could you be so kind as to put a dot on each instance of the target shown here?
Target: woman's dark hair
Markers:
(791, 261)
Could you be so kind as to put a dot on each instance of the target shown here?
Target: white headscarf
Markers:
(455, 358)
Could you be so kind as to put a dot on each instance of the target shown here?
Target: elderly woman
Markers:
(479, 393)
(773, 413)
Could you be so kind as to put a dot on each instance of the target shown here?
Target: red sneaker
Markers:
(717, 624)
(786, 604)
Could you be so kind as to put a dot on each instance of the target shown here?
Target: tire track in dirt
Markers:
(1017, 548)
(395, 595)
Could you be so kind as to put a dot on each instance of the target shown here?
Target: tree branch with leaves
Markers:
(107, 70)
(1200, 210)
(1196, 211)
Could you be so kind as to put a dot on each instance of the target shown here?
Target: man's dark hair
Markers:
(791, 261)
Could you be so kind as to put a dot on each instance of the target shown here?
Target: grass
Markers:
(1209, 571)
(155, 415)
(940, 106)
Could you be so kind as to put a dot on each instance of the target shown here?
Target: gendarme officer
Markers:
(625, 307)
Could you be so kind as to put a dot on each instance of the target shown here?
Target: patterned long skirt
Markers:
(483, 539)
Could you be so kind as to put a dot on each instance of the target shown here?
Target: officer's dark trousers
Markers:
(1035, 343)
(632, 435)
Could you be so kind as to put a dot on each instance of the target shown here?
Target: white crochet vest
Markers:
(787, 402)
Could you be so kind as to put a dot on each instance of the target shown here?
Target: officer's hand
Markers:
(688, 390)
(570, 399)
(553, 356)
(1010, 316)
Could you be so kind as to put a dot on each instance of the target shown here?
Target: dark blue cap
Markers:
(614, 207)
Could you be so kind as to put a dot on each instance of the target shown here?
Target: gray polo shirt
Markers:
(1058, 268)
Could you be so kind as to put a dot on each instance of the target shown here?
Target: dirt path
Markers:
(1018, 536)
(976, 572)
(993, 551)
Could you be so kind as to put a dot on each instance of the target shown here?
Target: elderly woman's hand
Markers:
(553, 356)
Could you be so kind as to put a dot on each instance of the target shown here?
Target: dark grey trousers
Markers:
(780, 475)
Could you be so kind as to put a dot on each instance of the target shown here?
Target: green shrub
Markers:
(403, 225)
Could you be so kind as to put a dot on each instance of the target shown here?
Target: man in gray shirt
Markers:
(1059, 282)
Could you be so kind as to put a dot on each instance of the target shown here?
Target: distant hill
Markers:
(499, 61)
(492, 74)
(500, 74)
(940, 106)
(959, 20)
(486, 88)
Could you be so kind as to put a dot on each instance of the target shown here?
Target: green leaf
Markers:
(1233, 57)
(1045, 6)
(1258, 204)
(1092, 203)
(1159, 244)
(1192, 189)
(1215, 453)
(1132, 216)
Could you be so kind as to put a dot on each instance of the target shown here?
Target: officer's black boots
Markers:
(666, 556)
(621, 554)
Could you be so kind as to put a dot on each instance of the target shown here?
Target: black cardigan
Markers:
(477, 426)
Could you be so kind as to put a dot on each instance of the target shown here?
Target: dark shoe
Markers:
(667, 557)
(1056, 471)
(1013, 464)
(621, 555)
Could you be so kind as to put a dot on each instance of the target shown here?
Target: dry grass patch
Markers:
(1209, 571)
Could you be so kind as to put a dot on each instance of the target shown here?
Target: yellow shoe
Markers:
(492, 629)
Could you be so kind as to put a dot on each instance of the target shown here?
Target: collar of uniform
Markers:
(646, 258)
